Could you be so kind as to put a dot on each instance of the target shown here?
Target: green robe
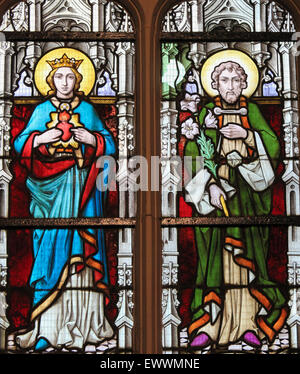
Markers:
(253, 241)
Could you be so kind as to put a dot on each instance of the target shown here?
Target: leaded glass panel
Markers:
(67, 129)
(227, 265)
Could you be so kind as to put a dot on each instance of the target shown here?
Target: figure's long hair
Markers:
(50, 81)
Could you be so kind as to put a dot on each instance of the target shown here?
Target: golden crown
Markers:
(65, 61)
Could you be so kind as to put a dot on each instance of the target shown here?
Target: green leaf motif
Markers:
(207, 151)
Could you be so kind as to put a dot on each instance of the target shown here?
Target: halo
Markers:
(233, 55)
(86, 69)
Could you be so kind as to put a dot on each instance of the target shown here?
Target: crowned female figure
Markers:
(59, 148)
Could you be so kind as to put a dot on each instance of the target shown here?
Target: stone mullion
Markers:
(291, 180)
(170, 179)
(259, 50)
(35, 15)
(6, 52)
(33, 50)
(97, 49)
(98, 15)
(198, 50)
(127, 204)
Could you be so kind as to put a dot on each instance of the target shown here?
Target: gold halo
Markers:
(235, 56)
(86, 69)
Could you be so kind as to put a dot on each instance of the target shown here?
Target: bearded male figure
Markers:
(234, 298)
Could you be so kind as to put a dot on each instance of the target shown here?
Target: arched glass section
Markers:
(67, 128)
(229, 150)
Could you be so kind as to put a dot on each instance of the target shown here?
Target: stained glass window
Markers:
(67, 116)
(230, 185)
(87, 262)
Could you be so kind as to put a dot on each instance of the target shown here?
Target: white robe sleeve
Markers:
(197, 194)
(259, 174)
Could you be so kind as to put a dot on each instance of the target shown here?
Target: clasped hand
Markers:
(80, 134)
(234, 131)
(215, 193)
(230, 131)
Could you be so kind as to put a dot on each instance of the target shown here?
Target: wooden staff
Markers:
(224, 206)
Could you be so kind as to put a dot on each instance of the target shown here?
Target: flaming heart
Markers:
(65, 126)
